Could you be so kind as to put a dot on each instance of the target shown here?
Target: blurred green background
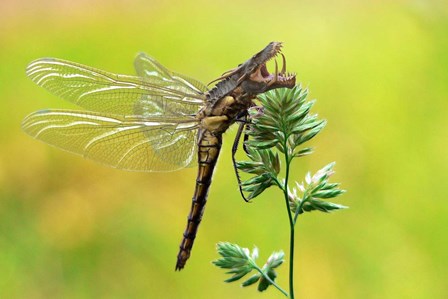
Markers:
(71, 228)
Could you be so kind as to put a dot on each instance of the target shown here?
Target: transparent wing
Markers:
(130, 143)
(102, 91)
(155, 73)
(149, 68)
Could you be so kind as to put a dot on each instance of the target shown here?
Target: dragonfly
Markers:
(158, 120)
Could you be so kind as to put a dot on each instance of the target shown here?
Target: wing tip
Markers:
(41, 60)
(34, 67)
(26, 120)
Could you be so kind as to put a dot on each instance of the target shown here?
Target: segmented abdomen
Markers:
(208, 152)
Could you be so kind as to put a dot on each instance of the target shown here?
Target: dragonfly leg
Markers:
(246, 138)
(242, 124)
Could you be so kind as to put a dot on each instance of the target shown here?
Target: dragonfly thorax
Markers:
(218, 116)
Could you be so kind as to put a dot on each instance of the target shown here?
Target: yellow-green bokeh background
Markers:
(70, 228)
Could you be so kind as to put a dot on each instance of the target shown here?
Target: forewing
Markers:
(137, 143)
(102, 91)
(149, 68)
(155, 73)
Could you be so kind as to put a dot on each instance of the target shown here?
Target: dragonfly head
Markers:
(253, 76)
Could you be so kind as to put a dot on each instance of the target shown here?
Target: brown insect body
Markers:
(225, 103)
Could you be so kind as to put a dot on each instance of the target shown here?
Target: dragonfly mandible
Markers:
(159, 120)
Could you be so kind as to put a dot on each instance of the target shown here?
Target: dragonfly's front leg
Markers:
(242, 124)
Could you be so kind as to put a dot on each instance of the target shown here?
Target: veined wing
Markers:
(130, 143)
(152, 71)
(149, 68)
(102, 91)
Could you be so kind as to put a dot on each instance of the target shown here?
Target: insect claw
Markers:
(284, 64)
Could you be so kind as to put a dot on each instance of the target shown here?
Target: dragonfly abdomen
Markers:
(208, 152)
